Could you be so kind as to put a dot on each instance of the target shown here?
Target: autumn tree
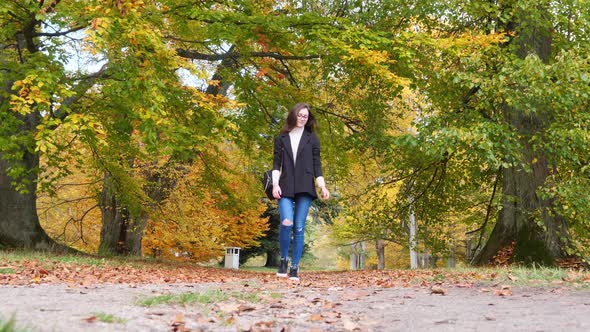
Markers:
(269, 64)
(32, 85)
(506, 83)
(496, 151)
(133, 109)
(538, 50)
(201, 217)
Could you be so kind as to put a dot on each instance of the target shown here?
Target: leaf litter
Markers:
(348, 301)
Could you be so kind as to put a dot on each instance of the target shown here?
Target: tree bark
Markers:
(134, 234)
(272, 258)
(380, 247)
(540, 236)
(122, 232)
(413, 242)
(114, 221)
(19, 222)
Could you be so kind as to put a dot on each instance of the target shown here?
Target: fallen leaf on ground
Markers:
(350, 325)
(438, 290)
(466, 285)
(503, 292)
(316, 318)
(265, 324)
(90, 319)
(228, 307)
(179, 318)
(328, 305)
(244, 307)
(289, 315)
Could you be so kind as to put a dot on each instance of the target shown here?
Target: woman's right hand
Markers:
(276, 192)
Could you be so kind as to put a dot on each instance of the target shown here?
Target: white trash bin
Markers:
(232, 258)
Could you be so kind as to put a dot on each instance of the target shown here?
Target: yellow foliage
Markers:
(72, 216)
(198, 221)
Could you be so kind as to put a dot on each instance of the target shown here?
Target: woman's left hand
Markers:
(325, 193)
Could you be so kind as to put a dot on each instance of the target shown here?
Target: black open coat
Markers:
(298, 178)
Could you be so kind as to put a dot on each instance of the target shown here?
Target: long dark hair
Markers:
(292, 119)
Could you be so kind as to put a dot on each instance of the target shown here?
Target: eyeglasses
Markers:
(302, 116)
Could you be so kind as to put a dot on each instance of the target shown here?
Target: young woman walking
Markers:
(296, 164)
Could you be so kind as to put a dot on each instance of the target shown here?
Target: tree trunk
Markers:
(452, 257)
(122, 231)
(272, 258)
(358, 255)
(114, 221)
(424, 259)
(134, 234)
(380, 247)
(19, 223)
(413, 242)
(540, 234)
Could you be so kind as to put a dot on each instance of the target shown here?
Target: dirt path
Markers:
(277, 305)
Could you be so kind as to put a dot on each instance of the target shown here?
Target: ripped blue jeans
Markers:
(293, 214)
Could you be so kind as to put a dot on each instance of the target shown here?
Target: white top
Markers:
(295, 137)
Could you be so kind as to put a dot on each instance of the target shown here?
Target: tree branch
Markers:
(218, 57)
(87, 82)
(57, 34)
(79, 199)
(349, 122)
(488, 212)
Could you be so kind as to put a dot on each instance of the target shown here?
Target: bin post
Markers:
(232, 258)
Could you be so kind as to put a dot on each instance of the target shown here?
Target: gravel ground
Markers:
(276, 306)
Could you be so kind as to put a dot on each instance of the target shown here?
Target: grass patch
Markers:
(535, 274)
(211, 296)
(208, 297)
(532, 276)
(248, 297)
(258, 268)
(7, 271)
(108, 318)
(526, 276)
(10, 326)
(49, 257)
